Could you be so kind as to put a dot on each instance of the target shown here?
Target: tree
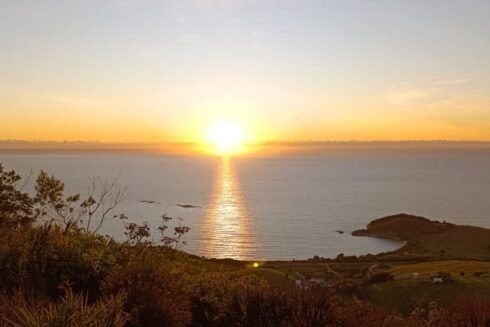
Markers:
(175, 241)
(16, 206)
(50, 204)
(87, 215)
(140, 234)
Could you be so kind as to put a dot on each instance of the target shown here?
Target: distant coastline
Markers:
(431, 238)
(271, 147)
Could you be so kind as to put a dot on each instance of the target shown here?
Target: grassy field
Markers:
(405, 293)
(273, 277)
(305, 268)
(460, 242)
(455, 267)
(469, 279)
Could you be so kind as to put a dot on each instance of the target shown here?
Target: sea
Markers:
(281, 206)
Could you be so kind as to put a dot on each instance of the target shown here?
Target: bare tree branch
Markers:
(102, 197)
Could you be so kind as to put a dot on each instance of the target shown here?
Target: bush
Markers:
(40, 259)
(256, 307)
(380, 277)
(471, 312)
(367, 316)
(71, 310)
(155, 295)
(263, 306)
(313, 307)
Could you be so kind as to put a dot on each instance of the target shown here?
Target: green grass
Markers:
(404, 293)
(273, 277)
(454, 267)
(291, 266)
(461, 242)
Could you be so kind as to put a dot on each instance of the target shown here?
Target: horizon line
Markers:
(267, 142)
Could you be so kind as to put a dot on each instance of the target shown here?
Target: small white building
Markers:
(437, 280)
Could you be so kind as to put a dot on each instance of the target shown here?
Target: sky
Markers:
(294, 70)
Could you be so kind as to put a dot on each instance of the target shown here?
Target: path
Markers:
(330, 270)
(369, 272)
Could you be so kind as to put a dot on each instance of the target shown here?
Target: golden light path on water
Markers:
(227, 231)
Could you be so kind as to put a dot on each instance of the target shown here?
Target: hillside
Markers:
(431, 237)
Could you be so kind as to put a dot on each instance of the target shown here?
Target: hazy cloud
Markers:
(452, 81)
(186, 38)
(433, 92)
(403, 95)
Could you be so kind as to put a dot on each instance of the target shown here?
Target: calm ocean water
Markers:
(284, 206)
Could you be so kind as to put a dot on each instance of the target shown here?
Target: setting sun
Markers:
(226, 136)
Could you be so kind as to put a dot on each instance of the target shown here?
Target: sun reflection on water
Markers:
(227, 226)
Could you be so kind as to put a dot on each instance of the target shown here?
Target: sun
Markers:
(225, 136)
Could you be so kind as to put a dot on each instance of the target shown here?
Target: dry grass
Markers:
(460, 242)
(404, 293)
(273, 277)
(456, 267)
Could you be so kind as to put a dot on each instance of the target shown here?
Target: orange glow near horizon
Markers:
(292, 77)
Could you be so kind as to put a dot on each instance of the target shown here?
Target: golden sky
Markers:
(151, 71)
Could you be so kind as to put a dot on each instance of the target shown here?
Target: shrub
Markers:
(472, 312)
(313, 307)
(256, 307)
(263, 306)
(40, 259)
(367, 316)
(155, 295)
(72, 310)
(380, 277)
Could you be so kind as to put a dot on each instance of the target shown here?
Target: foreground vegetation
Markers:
(55, 270)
